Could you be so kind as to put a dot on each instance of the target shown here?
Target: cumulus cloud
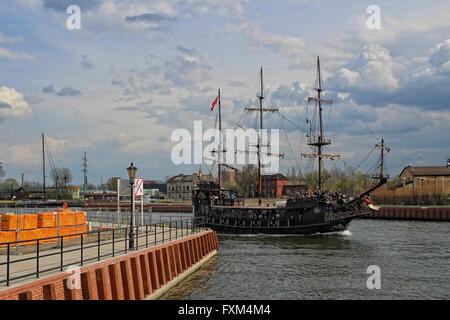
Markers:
(13, 104)
(373, 70)
(69, 92)
(48, 89)
(440, 55)
(376, 77)
(188, 69)
(289, 95)
(131, 15)
(64, 92)
(27, 154)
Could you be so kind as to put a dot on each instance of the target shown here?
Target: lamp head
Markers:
(132, 171)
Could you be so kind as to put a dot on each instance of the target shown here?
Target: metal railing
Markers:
(123, 218)
(32, 210)
(79, 249)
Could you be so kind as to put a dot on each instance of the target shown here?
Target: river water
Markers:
(414, 260)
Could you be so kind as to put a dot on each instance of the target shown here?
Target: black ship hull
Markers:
(299, 216)
(308, 219)
(294, 230)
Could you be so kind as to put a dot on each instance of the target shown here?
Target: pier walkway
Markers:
(20, 264)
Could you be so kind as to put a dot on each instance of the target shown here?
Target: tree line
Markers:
(60, 178)
(346, 181)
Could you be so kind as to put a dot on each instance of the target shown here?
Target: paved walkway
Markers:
(52, 260)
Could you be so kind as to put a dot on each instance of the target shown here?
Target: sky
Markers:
(137, 70)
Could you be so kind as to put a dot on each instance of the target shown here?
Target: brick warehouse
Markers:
(145, 274)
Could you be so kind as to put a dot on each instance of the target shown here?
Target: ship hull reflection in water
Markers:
(412, 256)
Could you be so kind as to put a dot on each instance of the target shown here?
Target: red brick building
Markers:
(273, 184)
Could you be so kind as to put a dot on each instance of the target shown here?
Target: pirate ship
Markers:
(317, 212)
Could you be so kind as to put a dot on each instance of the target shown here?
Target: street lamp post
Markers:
(131, 175)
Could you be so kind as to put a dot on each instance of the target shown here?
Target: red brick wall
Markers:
(131, 277)
(412, 213)
(280, 185)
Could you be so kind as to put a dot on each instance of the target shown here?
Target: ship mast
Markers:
(259, 145)
(382, 177)
(261, 98)
(43, 168)
(219, 166)
(319, 141)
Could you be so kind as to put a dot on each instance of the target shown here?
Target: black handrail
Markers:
(88, 241)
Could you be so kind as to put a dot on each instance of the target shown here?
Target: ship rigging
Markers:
(320, 212)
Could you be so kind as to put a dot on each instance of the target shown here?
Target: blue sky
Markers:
(137, 70)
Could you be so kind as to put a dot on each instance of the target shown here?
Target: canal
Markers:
(414, 259)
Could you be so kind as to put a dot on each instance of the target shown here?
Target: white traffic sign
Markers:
(139, 187)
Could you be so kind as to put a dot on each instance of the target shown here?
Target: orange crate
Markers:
(26, 222)
(67, 232)
(7, 236)
(28, 235)
(66, 218)
(80, 218)
(47, 220)
(48, 233)
(83, 229)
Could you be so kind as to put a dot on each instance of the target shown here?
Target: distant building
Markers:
(73, 191)
(93, 196)
(154, 188)
(36, 193)
(273, 184)
(425, 180)
(180, 187)
(151, 185)
(31, 193)
(419, 181)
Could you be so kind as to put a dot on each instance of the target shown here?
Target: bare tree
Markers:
(247, 180)
(56, 178)
(11, 185)
(66, 176)
(61, 177)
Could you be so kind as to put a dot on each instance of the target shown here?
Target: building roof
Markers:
(183, 178)
(73, 187)
(277, 176)
(188, 178)
(427, 171)
(31, 189)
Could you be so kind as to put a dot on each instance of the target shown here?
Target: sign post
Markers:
(142, 210)
(118, 204)
(139, 192)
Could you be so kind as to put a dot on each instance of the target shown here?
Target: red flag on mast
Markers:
(214, 103)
